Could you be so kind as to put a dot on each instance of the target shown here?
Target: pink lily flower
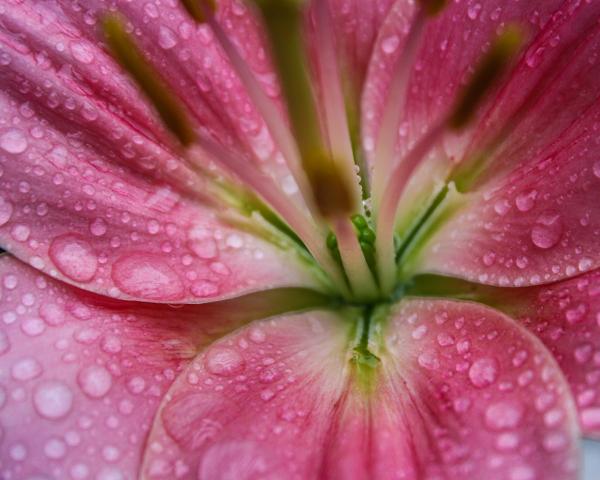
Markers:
(278, 239)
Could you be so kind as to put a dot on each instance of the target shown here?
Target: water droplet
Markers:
(98, 227)
(147, 276)
(504, 415)
(52, 399)
(507, 441)
(526, 201)
(52, 314)
(204, 288)
(224, 361)
(95, 381)
(473, 11)
(33, 326)
(483, 372)
(390, 44)
(55, 449)
(26, 369)
(74, 257)
(13, 141)
(18, 452)
(166, 37)
(257, 335)
(547, 231)
(6, 210)
(596, 169)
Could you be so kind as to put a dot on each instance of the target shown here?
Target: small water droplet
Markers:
(167, 38)
(390, 44)
(596, 169)
(52, 399)
(224, 362)
(95, 381)
(525, 201)
(547, 231)
(483, 372)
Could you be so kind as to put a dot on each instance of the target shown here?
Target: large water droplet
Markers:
(483, 372)
(52, 399)
(547, 231)
(224, 361)
(95, 381)
(74, 257)
(26, 369)
(13, 141)
(147, 276)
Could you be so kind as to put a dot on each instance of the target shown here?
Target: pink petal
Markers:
(96, 196)
(453, 402)
(255, 405)
(537, 225)
(453, 45)
(566, 317)
(82, 375)
(275, 400)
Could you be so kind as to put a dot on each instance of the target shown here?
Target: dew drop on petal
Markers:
(13, 141)
(483, 372)
(26, 369)
(95, 381)
(52, 399)
(224, 361)
(74, 257)
(547, 231)
(147, 276)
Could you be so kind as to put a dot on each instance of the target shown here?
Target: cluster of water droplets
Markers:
(81, 377)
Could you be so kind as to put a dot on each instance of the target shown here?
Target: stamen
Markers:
(282, 135)
(336, 121)
(126, 52)
(487, 74)
(283, 23)
(395, 102)
(489, 70)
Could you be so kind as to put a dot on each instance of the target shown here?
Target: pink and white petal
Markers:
(540, 224)
(86, 205)
(81, 376)
(565, 316)
(192, 62)
(254, 405)
(452, 46)
(278, 400)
